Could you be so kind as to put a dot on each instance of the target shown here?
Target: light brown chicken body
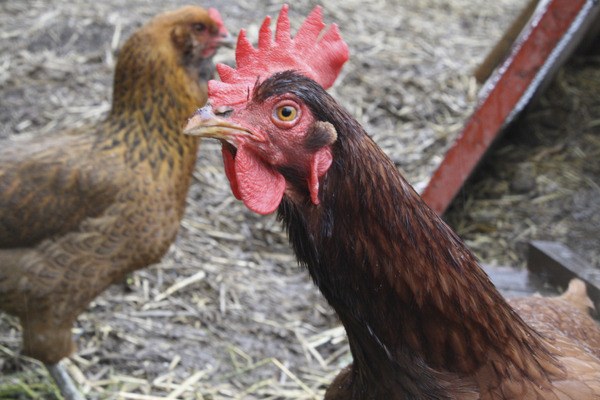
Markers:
(80, 209)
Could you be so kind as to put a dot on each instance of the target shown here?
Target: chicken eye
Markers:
(286, 113)
(199, 27)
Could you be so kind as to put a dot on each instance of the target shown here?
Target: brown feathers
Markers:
(79, 210)
(423, 319)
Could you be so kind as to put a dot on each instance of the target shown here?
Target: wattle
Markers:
(229, 163)
(253, 181)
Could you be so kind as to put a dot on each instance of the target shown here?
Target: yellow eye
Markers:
(286, 113)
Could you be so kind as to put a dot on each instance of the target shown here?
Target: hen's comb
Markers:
(317, 55)
(213, 13)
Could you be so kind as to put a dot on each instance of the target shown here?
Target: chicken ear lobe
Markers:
(259, 186)
(321, 137)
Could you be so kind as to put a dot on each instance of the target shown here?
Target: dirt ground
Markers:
(228, 314)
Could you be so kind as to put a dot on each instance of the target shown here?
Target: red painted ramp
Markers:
(545, 43)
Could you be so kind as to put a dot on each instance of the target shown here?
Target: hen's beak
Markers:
(226, 40)
(205, 123)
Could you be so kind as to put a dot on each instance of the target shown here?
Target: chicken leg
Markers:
(64, 382)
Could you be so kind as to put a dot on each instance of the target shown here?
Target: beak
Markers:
(204, 123)
(226, 40)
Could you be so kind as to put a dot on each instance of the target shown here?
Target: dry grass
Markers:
(228, 314)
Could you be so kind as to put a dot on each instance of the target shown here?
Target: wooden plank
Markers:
(549, 38)
(518, 282)
(502, 47)
(558, 264)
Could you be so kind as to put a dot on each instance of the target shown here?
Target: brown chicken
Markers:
(81, 209)
(423, 320)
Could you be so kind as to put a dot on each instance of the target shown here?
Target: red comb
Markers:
(319, 56)
(213, 13)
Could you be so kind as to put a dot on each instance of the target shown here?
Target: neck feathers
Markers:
(152, 83)
(406, 288)
(153, 96)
